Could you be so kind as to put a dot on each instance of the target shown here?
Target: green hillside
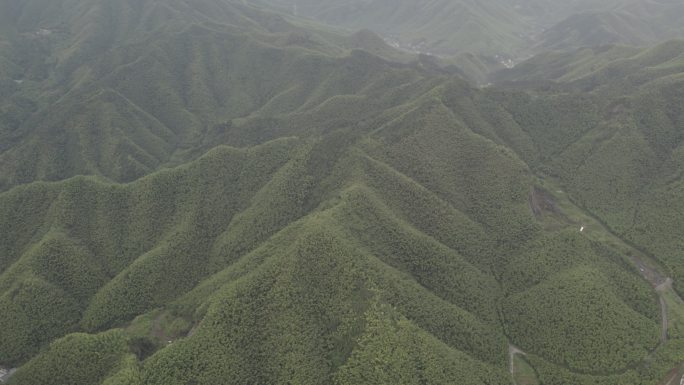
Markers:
(154, 97)
(210, 192)
(636, 124)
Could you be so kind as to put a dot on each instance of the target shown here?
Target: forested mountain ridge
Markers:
(208, 192)
(171, 81)
(626, 166)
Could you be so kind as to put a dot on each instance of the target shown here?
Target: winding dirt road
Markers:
(512, 351)
(667, 285)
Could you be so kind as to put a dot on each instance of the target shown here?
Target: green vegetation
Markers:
(523, 373)
(79, 359)
(563, 319)
(675, 314)
(214, 192)
(394, 351)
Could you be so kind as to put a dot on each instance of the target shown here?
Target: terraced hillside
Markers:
(203, 192)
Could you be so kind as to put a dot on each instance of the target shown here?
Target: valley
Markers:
(671, 305)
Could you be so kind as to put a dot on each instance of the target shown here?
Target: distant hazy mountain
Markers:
(501, 29)
(638, 22)
(441, 26)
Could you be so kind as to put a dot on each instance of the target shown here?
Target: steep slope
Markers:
(216, 193)
(625, 164)
(150, 94)
(126, 293)
(337, 265)
(316, 268)
(81, 247)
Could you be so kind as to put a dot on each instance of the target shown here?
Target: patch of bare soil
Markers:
(542, 203)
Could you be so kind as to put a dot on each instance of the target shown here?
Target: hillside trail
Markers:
(675, 377)
(661, 289)
(512, 351)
